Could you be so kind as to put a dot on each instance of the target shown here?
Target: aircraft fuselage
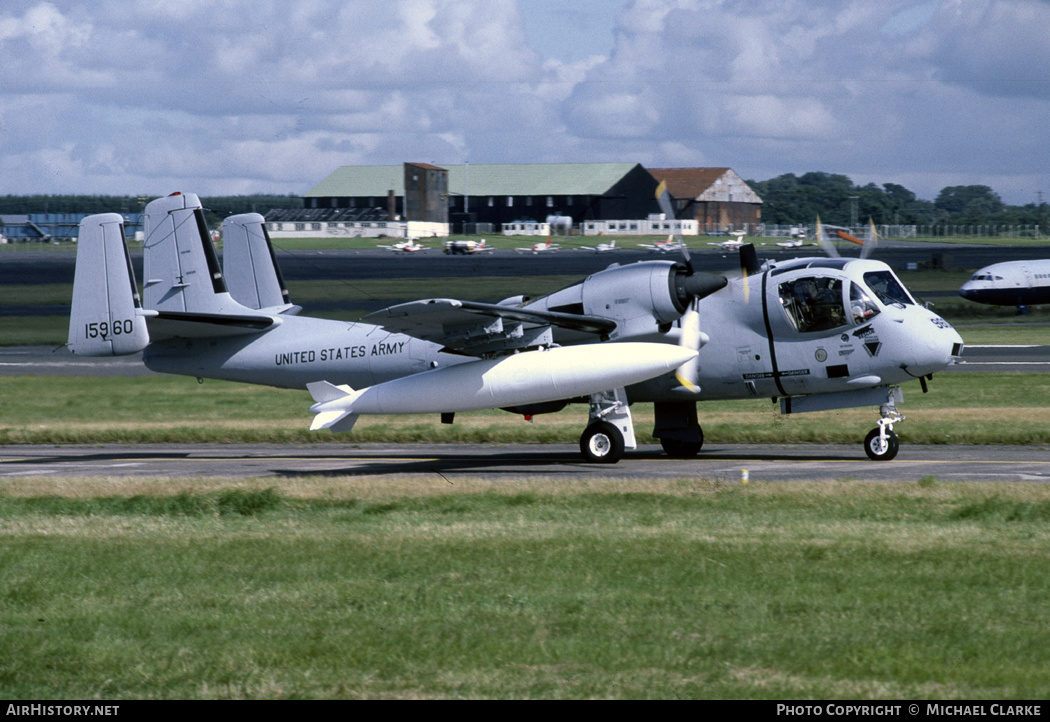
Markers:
(1012, 283)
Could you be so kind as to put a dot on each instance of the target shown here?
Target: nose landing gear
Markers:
(881, 443)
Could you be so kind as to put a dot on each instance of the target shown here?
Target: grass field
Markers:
(388, 588)
(960, 408)
(397, 587)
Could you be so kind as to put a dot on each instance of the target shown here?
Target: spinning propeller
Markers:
(871, 239)
(695, 286)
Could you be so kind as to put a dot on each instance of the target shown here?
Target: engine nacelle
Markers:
(640, 297)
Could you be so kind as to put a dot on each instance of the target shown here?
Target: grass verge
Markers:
(358, 588)
(960, 408)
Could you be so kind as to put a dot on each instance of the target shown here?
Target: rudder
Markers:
(249, 264)
(106, 316)
(180, 266)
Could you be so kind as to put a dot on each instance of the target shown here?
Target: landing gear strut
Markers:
(881, 443)
(677, 428)
(610, 429)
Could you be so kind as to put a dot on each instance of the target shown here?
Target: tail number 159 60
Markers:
(105, 329)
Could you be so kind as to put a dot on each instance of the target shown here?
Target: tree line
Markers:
(789, 199)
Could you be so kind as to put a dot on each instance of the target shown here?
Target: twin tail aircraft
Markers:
(813, 333)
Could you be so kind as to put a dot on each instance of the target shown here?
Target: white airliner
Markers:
(1012, 283)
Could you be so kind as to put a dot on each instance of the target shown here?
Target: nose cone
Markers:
(935, 344)
(969, 290)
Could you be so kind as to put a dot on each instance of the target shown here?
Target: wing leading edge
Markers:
(473, 328)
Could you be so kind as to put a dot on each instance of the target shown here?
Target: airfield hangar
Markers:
(467, 196)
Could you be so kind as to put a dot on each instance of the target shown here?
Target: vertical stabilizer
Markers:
(180, 266)
(105, 319)
(249, 264)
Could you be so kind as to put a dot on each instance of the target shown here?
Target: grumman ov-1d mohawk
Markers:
(814, 333)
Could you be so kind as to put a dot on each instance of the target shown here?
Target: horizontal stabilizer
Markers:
(177, 324)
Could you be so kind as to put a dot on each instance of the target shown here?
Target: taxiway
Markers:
(514, 463)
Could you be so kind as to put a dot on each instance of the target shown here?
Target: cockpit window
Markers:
(814, 304)
(887, 288)
(861, 307)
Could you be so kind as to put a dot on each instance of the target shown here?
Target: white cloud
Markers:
(134, 96)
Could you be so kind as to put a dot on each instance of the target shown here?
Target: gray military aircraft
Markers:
(815, 333)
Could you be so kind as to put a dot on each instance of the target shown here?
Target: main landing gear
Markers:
(881, 444)
(610, 430)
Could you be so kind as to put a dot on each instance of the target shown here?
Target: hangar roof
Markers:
(706, 184)
(539, 179)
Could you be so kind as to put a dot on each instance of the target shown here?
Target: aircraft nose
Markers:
(935, 348)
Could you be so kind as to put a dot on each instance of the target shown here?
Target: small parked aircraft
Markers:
(813, 333)
(797, 238)
(601, 247)
(540, 247)
(456, 248)
(734, 243)
(409, 246)
(1011, 283)
(671, 245)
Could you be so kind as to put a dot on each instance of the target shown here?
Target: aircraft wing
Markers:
(474, 328)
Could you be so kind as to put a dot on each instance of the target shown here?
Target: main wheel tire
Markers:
(876, 450)
(678, 449)
(602, 443)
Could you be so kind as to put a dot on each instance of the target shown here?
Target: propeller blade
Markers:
(827, 245)
(688, 372)
(871, 240)
(663, 198)
(749, 266)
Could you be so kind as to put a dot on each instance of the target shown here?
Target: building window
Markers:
(510, 201)
(492, 201)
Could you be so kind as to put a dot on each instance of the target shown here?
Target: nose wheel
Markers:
(881, 443)
(881, 447)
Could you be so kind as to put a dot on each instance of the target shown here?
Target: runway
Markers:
(499, 463)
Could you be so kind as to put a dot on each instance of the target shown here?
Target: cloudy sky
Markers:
(145, 97)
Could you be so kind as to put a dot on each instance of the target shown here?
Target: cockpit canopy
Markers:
(824, 303)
